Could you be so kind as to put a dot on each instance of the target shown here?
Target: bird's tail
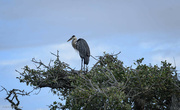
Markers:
(86, 60)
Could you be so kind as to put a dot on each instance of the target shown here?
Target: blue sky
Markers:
(34, 28)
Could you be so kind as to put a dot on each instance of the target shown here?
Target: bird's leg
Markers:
(84, 68)
(81, 63)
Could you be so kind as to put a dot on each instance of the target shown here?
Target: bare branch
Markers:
(40, 63)
(57, 55)
(12, 96)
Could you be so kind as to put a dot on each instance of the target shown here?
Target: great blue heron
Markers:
(83, 48)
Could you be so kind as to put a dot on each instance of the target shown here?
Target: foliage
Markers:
(109, 85)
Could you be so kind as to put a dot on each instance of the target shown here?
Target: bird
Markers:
(82, 47)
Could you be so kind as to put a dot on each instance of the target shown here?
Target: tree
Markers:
(109, 85)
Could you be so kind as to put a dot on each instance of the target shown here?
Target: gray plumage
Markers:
(83, 49)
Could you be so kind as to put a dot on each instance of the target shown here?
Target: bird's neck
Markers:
(74, 41)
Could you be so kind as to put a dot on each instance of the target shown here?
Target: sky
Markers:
(34, 28)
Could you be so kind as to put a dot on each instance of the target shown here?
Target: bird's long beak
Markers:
(69, 39)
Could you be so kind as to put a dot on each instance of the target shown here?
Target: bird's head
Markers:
(71, 38)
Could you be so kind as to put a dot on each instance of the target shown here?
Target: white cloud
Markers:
(175, 61)
(66, 51)
(158, 58)
(12, 62)
(42, 109)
